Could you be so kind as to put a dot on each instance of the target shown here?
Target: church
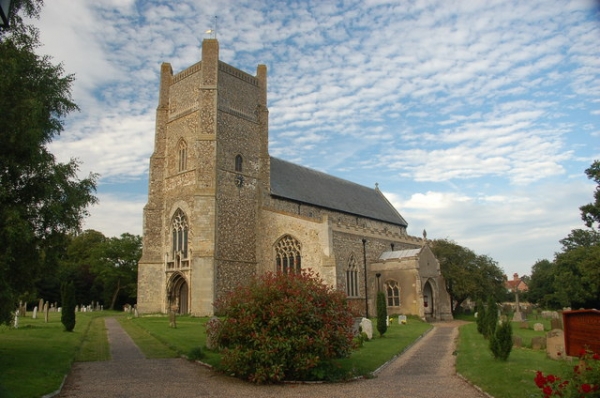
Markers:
(221, 210)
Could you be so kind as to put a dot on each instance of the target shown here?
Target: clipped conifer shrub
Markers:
(501, 341)
(284, 327)
(381, 314)
(480, 309)
(67, 315)
(490, 320)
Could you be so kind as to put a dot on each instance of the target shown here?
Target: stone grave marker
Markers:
(538, 343)
(555, 344)
(367, 327)
(34, 316)
(517, 341)
(538, 327)
(524, 325)
(555, 324)
(41, 305)
(16, 324)
(402, 319)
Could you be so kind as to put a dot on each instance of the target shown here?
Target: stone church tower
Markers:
(208, 169)
(221, 210)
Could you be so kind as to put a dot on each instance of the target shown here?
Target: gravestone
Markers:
(172, 317)
(46, 312)
(34, 316)
(213, 329)
(41, 305)
(16, 325)
(555, 324)
(517, 341)
(555, 344)
(538, 327)
(402, 319)
(524, 325)
(135, 311)
(367, 327)
(538, 343)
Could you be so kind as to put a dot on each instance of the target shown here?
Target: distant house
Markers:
(515, 284)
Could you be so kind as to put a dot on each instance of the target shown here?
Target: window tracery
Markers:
(288, 256)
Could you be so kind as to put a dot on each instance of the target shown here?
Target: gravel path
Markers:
(425, 370)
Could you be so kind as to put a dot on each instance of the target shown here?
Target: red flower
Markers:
(551, 378)
(596, 357)
(586, 387)
(547, 390)
(540, 380)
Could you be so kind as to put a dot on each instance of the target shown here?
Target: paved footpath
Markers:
(426, 370)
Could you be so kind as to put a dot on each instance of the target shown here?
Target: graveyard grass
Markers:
(504, 379)
(35, 358)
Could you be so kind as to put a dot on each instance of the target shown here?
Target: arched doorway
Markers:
(178, 294)
(428, 301)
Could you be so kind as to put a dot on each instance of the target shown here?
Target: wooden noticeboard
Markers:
(582, 331)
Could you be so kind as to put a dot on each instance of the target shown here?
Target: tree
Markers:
(67, 315)
(467, 275)
(541, 285)
(590, 213)
(41, 200)
(480, 309)
(115, 263)
(381, 314)
(490, 320)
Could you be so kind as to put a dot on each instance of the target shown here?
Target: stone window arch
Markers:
(288, 255)
(179, 234)
(352, 277)
(393, 293)
(239, 163)
(182, 155)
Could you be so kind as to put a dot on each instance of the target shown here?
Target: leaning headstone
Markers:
(517, 341)
(555, 344)
(538, 343)
(367, 327)
(34, 316)
(538, 327)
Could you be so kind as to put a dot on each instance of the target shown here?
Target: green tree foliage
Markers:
(67, 315)
(41, 200)
(490, 320)
(501, 341)
(467, 274)
(284, 327)
(115, 264)
(590, 213)
(381, 313)
(573, 278)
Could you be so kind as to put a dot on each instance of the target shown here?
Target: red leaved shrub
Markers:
(284, 327)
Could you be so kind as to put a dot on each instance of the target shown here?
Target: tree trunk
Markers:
(115, 294)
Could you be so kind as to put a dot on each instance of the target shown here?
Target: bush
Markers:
(67, 315)
(490, 320)
(381, 314)
(195, 354)
(501, 341)
(480, 316)
(581, 380)
(284, 327)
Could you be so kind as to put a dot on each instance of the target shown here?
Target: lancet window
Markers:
(179, 230)
(352, 278)
(393, 293)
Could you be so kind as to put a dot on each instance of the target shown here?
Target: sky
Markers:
(477, 119)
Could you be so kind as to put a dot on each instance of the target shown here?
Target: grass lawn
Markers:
(35, 358)
(513, 378)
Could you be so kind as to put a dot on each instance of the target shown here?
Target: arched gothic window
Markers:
(352, 278)
(182, 155)
(288, 256)
(393, 293)
(179, 229)
(239, 163)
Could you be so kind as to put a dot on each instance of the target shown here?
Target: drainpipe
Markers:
(364, 241)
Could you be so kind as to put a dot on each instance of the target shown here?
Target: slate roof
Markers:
(304, 185)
